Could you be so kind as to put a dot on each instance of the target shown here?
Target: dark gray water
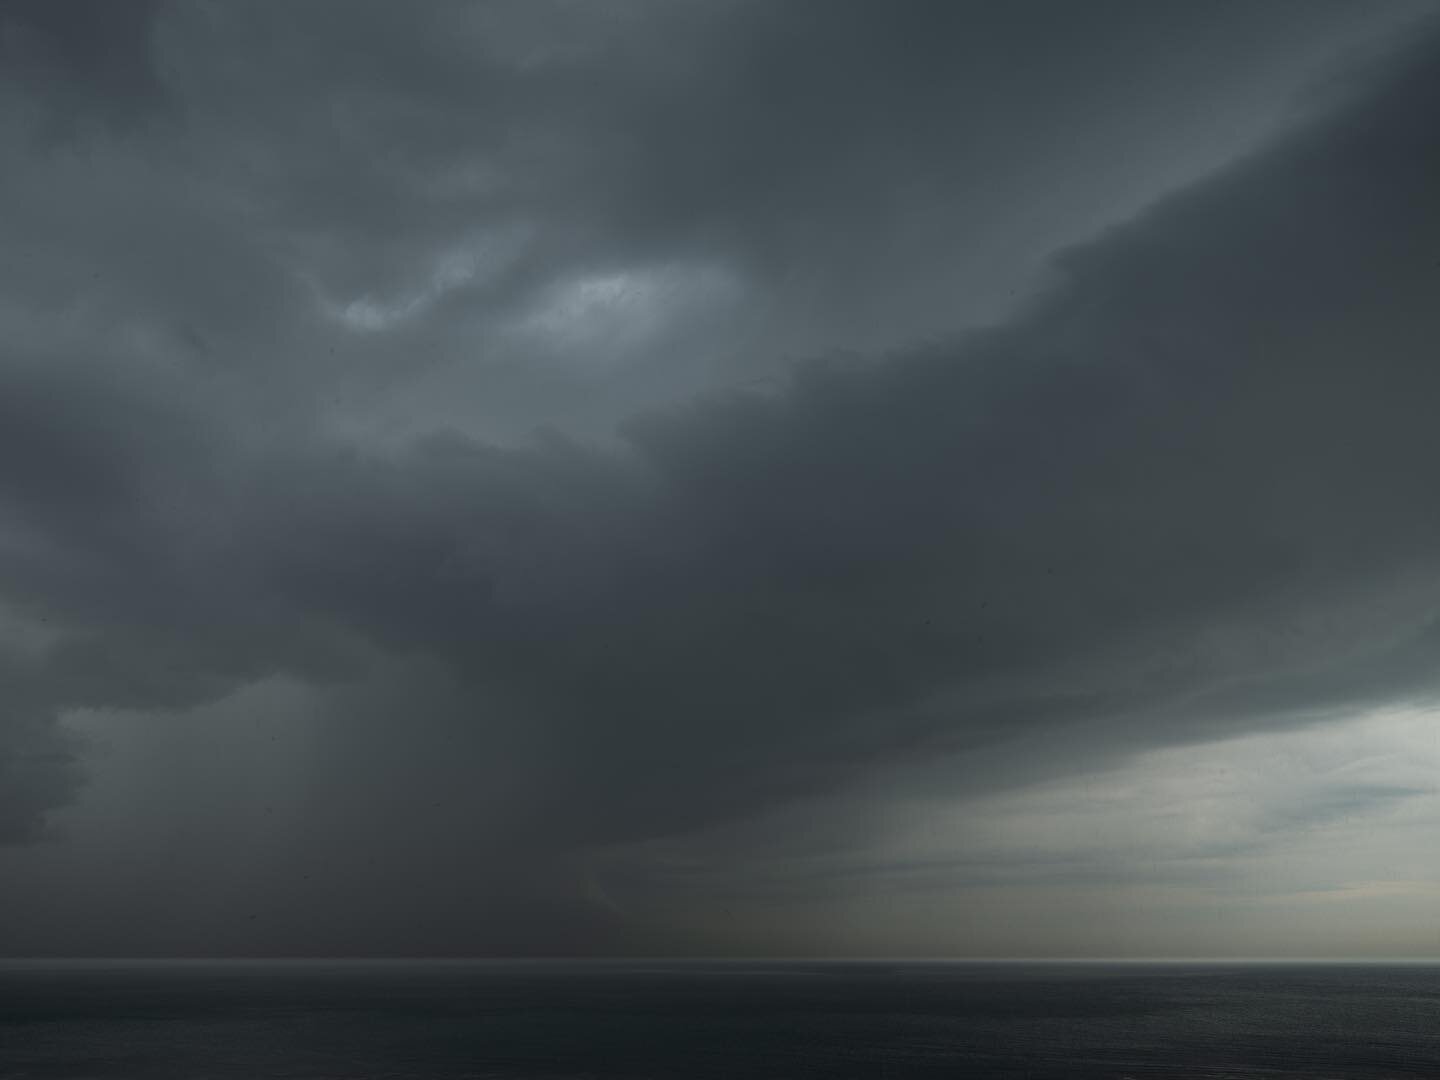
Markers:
(554, 1020)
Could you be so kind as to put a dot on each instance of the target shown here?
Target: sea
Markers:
(739, 1020)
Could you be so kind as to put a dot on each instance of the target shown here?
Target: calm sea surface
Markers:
(747, 1021)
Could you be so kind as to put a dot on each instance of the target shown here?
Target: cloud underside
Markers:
(1187, 492)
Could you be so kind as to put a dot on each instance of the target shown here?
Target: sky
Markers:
(719, 477)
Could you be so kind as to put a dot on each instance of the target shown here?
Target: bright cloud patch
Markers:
(1323, 823)
(472, 264)
(607, 314)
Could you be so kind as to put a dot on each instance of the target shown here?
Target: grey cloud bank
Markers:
(261, 413)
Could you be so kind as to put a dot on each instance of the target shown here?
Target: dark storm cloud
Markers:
(1188, 490)
(81, 59)
(807, 176)
(1173, 478)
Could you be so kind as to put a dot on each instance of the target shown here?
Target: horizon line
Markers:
(713, 959)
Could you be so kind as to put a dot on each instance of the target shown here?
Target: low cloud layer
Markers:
(1183, 492)
(1300, 843)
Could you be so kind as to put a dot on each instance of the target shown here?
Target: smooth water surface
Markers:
(551, 1020)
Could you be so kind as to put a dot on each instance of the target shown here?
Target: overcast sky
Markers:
(720, 476)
